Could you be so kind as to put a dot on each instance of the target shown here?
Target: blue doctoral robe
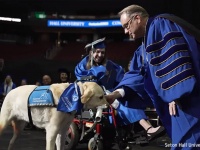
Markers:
(173, 58)
(109, 77)
(134, 80)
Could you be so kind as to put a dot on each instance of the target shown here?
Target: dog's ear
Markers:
(87, 94)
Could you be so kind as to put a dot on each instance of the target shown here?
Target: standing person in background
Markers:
(46, 80)
(169, 62)
(7, 86)
(64, 75)
(109, 74)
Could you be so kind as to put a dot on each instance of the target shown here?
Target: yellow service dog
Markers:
(14, 110)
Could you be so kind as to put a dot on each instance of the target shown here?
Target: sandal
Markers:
(152, 136)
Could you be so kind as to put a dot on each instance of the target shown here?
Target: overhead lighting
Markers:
(10, 19)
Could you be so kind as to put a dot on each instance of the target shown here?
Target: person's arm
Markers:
(112, 97)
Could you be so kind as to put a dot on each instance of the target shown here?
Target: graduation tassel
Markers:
(91, 63)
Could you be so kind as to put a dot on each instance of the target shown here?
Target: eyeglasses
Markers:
(127, 24)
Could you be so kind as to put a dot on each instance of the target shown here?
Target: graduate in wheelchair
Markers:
(96, 67)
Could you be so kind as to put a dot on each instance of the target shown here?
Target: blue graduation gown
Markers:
(172, 74)
(109, 77)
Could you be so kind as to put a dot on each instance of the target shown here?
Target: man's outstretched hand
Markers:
(112, 96)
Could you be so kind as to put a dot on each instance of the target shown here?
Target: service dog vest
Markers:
(41, 96)
(70, 99)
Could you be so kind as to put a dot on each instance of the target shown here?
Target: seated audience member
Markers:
(38, 83)
(46, 80)
(64, 75)
(23, 82)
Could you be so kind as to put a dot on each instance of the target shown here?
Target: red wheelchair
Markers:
(99, 128)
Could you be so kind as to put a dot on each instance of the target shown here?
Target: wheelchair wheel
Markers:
(95, 144)
(72, 137)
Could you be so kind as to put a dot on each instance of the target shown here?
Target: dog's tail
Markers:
(5, 118)
(3, 124)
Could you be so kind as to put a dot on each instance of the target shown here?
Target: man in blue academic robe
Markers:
(169, 61)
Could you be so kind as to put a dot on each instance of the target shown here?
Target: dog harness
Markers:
(40, 96)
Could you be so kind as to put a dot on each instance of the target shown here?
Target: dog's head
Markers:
(92, 95)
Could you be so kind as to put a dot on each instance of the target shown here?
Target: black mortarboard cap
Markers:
(96, 44)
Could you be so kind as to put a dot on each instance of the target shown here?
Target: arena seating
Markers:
(116, 51)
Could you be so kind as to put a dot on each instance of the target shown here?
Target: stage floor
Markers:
(35, 139)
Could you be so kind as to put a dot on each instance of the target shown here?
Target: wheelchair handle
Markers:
(99, 113)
